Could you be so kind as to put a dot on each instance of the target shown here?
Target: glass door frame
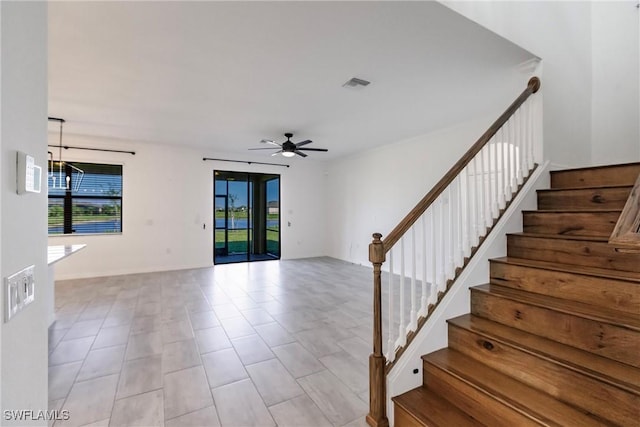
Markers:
(255, 182)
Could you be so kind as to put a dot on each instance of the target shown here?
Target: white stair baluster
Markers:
(442, 284)
(402, 333)
(423, 300)
(433, 288)
(391, 354)
(507, 191)
(413, 319)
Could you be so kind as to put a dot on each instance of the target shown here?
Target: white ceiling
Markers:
(224, 75)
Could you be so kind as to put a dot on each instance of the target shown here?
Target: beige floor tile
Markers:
(257, 316)
(212, 339)
(299, 412)
(351, 372)
(70, 351)
(298, 361)
(273, 382)
(140, 410)
(120, 317)
(144, 345)
(81, 329)
(202, 417)
(357, 348)
(223, 367)
(252, 349)
(101, 362)
(176, 331)
(336, 401)
(180, 355)
(61, 378)
(237, 327)
(186, 391)
(203, 320)
(90, 401)
(108, 337)
(140, 376)
(239, 404)
(145, 324)
(274, 334)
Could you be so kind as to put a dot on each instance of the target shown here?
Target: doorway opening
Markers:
(246, 217)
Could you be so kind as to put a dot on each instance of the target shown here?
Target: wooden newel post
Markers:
(377, 416)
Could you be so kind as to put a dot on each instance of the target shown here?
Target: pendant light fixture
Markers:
(60, 180)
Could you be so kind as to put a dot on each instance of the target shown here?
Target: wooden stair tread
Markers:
(598, 314)
(599, 239)
(630, 276)
(600, 368)
(429, 409)
(591, 187)
(569, 211)
(535, 405)
(593, 168)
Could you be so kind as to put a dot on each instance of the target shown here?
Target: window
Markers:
(85, 198)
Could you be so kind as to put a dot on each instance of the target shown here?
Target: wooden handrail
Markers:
(392, 238)
(626, 234)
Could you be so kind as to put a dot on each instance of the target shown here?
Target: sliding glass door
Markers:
(246, 217)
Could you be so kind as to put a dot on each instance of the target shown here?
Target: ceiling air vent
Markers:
(355, 82)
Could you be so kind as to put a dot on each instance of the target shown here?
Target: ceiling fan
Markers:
(288, 148)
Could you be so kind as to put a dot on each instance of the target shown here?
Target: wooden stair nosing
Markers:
(591, 187)
(427, 408)
(627, 276)
(521, 400)
(557, 378)
(570, 307)
(600, 368)
(605, 339)
(596, 167)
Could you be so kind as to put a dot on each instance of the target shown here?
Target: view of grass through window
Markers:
(84, 198)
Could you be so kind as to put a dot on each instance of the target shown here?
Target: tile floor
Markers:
(262, 344)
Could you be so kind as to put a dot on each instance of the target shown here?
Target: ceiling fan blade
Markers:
(276, 153)
(268, 141)
(313, 149)
(300, 153)
(270, 148)
(300, 144)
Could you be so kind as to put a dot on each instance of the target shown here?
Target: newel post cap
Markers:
(534, 84)
(376, 249)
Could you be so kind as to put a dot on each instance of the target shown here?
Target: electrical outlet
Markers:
(20, 291)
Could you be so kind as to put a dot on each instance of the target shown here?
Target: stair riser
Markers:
(603, 399)
(476, 403)
(402, 418)
(600, 198)
(576, 252)
(616, 294)
(614, 175)
(599, 224)
(603, 339)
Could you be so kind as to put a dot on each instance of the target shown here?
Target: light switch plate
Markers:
(19, 292)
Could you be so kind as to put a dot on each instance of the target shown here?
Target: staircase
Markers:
(554, 338)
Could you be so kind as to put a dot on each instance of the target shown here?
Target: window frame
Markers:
(68, 198)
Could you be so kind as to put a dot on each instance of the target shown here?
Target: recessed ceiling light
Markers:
(355, 82)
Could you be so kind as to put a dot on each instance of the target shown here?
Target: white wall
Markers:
(24, 241)
(372, 191)
(560, 33)
(615, 127)
(590, 55)
(168, 196)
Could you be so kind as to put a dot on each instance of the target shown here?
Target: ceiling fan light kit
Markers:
(288, 148)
